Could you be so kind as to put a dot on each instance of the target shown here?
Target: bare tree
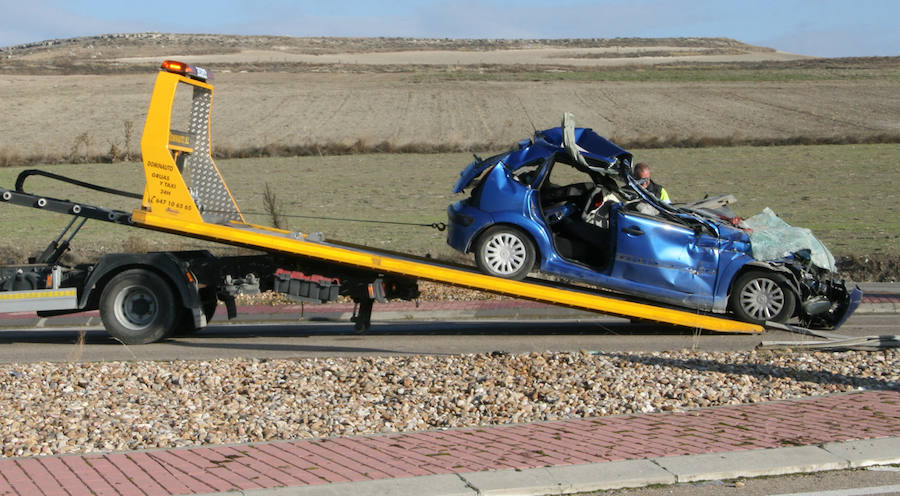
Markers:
(274, 208)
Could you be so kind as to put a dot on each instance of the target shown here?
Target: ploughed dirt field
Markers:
(60, 115)
(63, 115)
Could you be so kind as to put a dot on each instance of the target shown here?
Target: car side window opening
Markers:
(580, 229)
(640, 208)
(529, 173)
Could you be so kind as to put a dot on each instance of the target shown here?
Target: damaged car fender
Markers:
(763, 266)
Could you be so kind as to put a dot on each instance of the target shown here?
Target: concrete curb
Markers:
(885, 307)
(427, 485)
(573, 479)
(867, 452)
(569, 479)
(753, 463)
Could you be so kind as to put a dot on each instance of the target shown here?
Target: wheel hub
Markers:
(136, 307)
(505, 253)
(139, 307)
(762, 298)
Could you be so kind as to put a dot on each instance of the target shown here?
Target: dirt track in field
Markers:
(50, 115)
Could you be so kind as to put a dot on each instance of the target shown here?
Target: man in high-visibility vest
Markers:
(642, 175)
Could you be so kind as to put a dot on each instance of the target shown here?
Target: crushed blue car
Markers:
(565, 203)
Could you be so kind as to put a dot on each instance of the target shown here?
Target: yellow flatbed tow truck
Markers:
(146, 297)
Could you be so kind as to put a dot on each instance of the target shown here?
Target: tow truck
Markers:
(147, 297)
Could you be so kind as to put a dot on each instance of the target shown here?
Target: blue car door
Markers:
(664, 254)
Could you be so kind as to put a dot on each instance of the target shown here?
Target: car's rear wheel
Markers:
(506, 252)
(759, 296)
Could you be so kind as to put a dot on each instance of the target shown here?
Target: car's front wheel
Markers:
(506, 252)
(759, 296)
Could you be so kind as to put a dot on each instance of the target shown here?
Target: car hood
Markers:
(601, 155)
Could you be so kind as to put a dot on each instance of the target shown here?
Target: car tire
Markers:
(505, 252)
(759, 296)
(138, 307)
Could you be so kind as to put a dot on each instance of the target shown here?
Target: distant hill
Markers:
(135, 52)
(110, 46)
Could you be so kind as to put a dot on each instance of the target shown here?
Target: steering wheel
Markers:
(596, 209)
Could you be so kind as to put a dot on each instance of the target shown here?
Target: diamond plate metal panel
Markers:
(207, 187)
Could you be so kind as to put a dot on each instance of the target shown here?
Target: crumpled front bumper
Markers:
(844, 303)
(846, 308)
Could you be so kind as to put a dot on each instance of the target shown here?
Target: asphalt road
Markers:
(321, 339)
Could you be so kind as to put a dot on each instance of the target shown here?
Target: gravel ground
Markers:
(56, 408)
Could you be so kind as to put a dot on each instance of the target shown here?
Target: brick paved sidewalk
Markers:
(812, 421)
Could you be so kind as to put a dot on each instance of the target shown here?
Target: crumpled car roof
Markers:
(595, 148)
(601, 155)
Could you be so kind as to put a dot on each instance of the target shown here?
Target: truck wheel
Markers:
(137, 307)
(758, 297)
(506, 252)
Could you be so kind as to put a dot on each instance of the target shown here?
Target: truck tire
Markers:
(137, 307)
